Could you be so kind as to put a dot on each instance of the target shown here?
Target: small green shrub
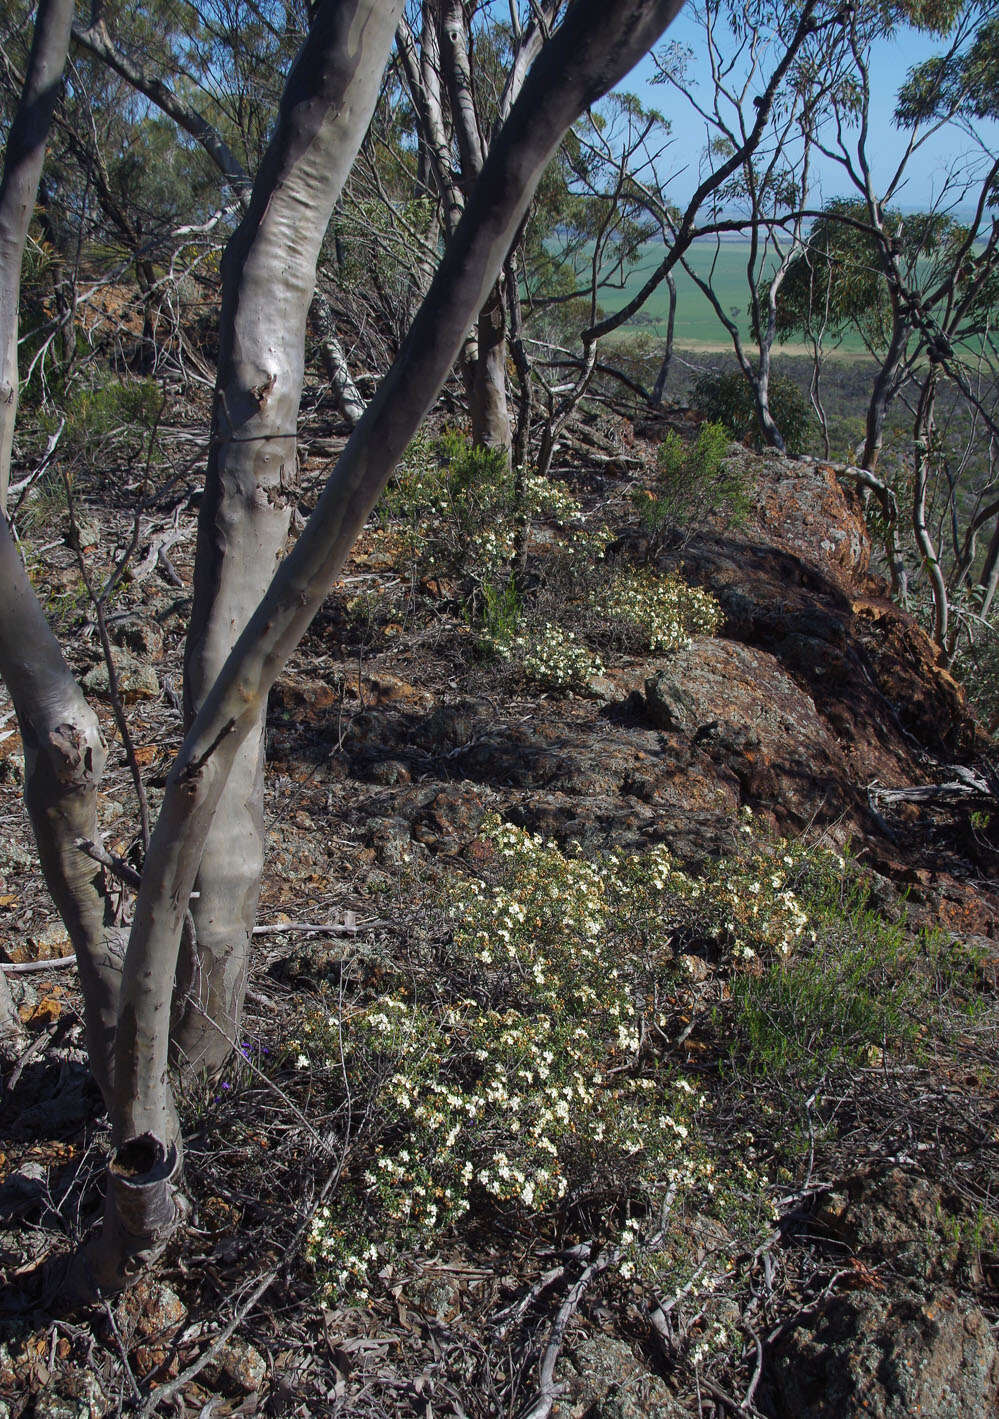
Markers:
(693, 483)
(728, 399)
(460, 505)
(44, 507)
(126, 409)
(809, 1017)
(976, 665)
(500, 613)
(866, 990)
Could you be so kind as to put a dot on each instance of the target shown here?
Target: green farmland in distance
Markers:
(697, 326)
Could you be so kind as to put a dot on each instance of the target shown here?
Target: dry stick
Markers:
(749, 1401)
(729, 1403)
(548, 1389)
(511, 1315)
(115, 864)
(158, 547)
(333, 928)
(122, 1352)
(25, 484)
(35, 1048)
(23, 968)
(167, 1392)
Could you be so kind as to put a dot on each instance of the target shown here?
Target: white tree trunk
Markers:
(269, 274)
(64, 757)
(64, 752)
(596, 45)
(23, 158)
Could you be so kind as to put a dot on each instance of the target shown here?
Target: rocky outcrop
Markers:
(602, 1379)
(897, 1340)
(802, 507)
(891, 1355)
(755, 723)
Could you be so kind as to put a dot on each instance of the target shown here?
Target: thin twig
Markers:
(194, 768)
(121, 869)
(512, 1314)
(35, 1048)
(122, 1352)
(265, 1079)
(114, 688)
(166, 1392)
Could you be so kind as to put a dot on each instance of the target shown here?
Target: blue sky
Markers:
(890, 63)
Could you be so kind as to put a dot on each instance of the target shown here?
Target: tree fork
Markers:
(595, 46)
(269, 274)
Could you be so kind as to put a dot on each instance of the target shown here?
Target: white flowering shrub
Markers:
(638, 610)
(454, 509)
(548, 654)
(534, 1078)
(648, 611)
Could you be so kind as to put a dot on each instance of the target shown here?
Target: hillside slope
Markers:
(845, 1260)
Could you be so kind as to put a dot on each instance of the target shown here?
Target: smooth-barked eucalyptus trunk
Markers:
(595, 46)
(64, 755)
(64, 752)
(488, 410)
(268, 279)
(22, 170)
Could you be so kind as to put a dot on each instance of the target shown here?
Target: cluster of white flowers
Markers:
(330, 1247)
(455, 508)
(714, 1339)
(552, 656)
(545, 497)
(552, 1081)
(661, 612)
(490, 549)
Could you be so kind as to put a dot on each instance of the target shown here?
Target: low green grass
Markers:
(868, 991)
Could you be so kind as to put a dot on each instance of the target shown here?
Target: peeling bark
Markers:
(595, 46)
(142, 1208)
